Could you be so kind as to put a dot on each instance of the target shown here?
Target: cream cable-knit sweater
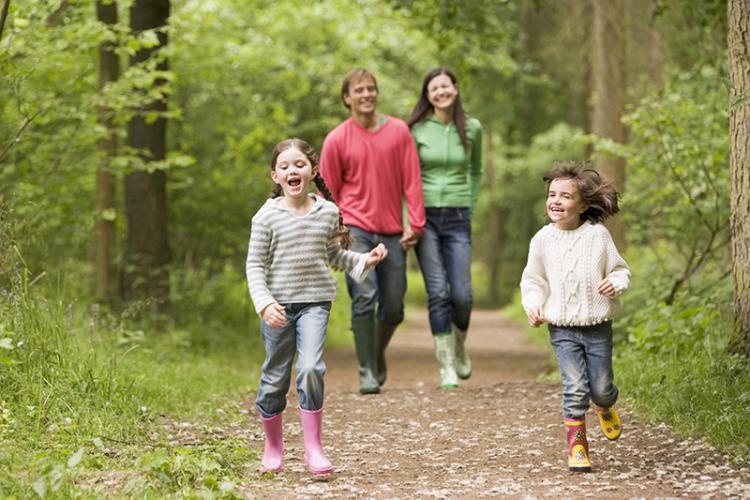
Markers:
(563, 273)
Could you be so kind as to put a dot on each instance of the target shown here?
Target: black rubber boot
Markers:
(364, 342)
(383, 335)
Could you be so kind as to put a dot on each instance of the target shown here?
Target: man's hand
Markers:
(408, 239)
(376, 256)
(274, 315)
(536, 316)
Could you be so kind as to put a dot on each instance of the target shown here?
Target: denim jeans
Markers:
(385, 286)
(444, 253)
(584, 354)
(304, 333)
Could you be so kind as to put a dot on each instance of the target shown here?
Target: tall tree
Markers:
(147, 251)
(104, 227)
(608, 85)
(738, 41)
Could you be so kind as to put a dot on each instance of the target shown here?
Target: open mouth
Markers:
(294, 182)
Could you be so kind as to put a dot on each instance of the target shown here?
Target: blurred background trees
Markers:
(128, 174)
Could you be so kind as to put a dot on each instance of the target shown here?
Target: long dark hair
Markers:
(343, 233)
(423, 109)
(597, 193)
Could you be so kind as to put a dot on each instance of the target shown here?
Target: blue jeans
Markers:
(584, 354)
(304, 333)
(385, 286)
(444, 253)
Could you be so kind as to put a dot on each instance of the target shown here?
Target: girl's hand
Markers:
(606, 288)
(274, 315)
(536, 316)
(376, 256)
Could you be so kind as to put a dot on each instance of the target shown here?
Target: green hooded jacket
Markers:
(451, 175)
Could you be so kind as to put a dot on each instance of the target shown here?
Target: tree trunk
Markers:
(738, 41)
(608, 85)
(492, 253)
(3, 16)
(147, 252)
(104, 228)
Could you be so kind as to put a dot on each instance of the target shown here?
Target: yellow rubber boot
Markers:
(609, 421)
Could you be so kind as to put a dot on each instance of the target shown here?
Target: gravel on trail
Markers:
(500, 434)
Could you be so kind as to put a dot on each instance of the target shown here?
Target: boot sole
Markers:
(275, 471)
(319, 472)
(369, 390)
(579, 469)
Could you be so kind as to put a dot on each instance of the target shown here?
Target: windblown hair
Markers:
(423, 109)
(343, 233)
(597, 193)
(355, 75)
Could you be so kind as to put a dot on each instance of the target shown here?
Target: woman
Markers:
(450, 154)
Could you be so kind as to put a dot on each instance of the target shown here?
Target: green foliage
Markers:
(511, 210)
(677, 200)
(77, 378)
(675, 369)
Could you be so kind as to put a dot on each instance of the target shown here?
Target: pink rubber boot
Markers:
(315, 457)
(273, 452)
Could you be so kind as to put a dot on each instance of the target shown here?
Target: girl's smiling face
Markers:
(564, 204)
(293, 172)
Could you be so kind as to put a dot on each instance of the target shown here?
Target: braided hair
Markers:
(343, 233)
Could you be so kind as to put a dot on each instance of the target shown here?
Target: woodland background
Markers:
(135, 140)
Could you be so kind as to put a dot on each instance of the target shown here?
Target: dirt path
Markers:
(498, 435)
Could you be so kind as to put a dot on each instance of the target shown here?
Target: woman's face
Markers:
(441, 92)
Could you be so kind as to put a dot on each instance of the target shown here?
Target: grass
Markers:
(85, 395)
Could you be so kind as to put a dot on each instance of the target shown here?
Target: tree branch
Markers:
(25, 124)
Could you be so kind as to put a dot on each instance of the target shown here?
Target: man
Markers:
(370, 164)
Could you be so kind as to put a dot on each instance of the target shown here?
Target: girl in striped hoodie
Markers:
(294, 237)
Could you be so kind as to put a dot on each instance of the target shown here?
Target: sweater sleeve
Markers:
(617, 270)
(353, 263)
(476, 166)
(412, 184)
(331, 166)
(255, 265)
(534, 283)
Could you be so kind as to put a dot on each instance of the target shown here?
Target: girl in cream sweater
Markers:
(572, 282)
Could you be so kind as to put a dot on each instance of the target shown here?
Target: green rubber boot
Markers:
(364, 342)
(383, 336)
(445, 352)
(463, 363)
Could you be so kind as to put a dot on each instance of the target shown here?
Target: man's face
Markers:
(363, 96)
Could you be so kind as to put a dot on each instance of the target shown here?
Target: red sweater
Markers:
(368, 172)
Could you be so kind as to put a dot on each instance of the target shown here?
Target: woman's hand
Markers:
(536, 316)
(606, 288)
(408, 239)
(274, 315)
(376, 256)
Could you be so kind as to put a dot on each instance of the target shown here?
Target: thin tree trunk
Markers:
(104, 228)
(738, 41)
(3, 16)
(493, 244)
(147, 253)
(608, 85)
